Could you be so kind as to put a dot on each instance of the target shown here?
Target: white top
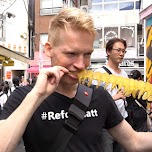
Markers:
(13, 88)
(3, 99)
(120, 102)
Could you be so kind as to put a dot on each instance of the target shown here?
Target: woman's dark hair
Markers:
(135, 74)
(6, 88)
(16, 81)
(111, 42)
(6, 82)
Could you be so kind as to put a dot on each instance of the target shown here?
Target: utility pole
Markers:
(2, 27)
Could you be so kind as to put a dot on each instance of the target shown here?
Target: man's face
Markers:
(73, 52)
(117, 53)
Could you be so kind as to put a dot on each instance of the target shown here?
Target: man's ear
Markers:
(48, 49)
(107, 52)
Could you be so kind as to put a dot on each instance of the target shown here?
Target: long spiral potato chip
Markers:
(136, 88)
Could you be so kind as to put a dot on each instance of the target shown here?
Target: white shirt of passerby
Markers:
(3, 99)
(120, 102)
(13, 88)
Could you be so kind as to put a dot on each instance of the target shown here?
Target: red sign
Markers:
(8, 74)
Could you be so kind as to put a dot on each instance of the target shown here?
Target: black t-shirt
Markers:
(138, 116)
(51, 114)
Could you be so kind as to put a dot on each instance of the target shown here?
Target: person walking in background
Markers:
(3, 96)
(16, 83)
(28, 82)
(34, 80)
(22, 81)
(115, 50)
(6, 88)
(137, 108)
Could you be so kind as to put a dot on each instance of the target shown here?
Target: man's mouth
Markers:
(72, 72)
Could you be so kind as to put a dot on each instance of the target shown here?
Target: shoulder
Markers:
(100, 70)
(106, 107)
(124, 73)
(101, 99)
(12, 88)
(23, 89)
(19, 94)
(3, 95)
(99, 93)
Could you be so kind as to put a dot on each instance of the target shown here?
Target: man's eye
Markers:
(71, 54)
(88, 54)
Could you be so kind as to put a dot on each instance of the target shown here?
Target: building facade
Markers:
(14, 51)
(112, 18)
(117, 18)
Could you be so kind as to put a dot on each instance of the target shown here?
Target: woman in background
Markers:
(3, 96)
(136, 108)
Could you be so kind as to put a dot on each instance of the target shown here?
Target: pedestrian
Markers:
(3, 96)
(6, 88)
(34, 80)
(16, 83)
(28, 81)
(137, 108)
(38, 111)
(22, 81)
(115, 50)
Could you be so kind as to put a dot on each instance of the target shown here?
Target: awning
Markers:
(35, 69)
(145, 12)
(12, 54)
(46, 60)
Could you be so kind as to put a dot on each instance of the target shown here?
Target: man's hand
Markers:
(120, 95)
(47, 81)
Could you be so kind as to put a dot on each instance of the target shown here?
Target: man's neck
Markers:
(113, 66)
(69, 91)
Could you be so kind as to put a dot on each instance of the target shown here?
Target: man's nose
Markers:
(80, 63)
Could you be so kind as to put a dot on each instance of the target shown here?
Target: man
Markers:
(16, 83)
(115, 50)
(39, 112)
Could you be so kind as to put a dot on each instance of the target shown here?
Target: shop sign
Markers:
(10, 63)
(127, 63)
(8, 74)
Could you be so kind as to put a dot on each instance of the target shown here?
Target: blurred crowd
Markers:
(7, 87)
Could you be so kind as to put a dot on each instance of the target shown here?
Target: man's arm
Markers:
(12, 129)
(131, 140)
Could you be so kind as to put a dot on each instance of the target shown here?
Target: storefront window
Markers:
(98, 43)
(137, 5)
(126, 6)
(97, 1)
(128, 33)
(96, 9)
(110, 0)
(109, 33)
(111, 7)
(48, 7)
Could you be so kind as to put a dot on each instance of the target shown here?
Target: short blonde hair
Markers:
(73, 18)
